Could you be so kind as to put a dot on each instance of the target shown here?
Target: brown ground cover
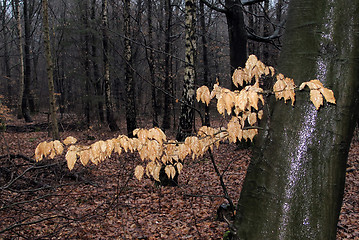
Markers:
(46, 201)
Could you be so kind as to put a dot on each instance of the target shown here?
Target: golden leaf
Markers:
(317, 98)
(71, 157)
(183, 151)
(47, 148)
(58, 147)
(170, 171)
(204, 95)
(284, 88)
(228, 99)
(252, 118)
(139, 170)
(328, 95)
(241, 101)
(179, 167)
(238, 77)
(84, 156)
(70, 140)
(156, 172)
(234, 130)
(39, 151)
(149, 168)
(221, 105)
(260, 114)
(251, 62)
(157, 134)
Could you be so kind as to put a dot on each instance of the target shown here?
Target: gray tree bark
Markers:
(27, 65)
(166, 123)
(130, 90)
(50, 70)
(108, 101)
(295, 182)
(16, 9)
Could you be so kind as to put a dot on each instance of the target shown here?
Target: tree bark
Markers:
(86, 59)
(5, 31)
(151, 65)
(166, 123)
(96, 70)
(237, 34)
(295, 182)
(205, 58)
(130, 98)
(16, 7)
(27, 65)
(185, 127)
(50, 69)
(108, 101)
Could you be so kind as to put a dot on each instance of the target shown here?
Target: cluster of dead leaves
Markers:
(158, 152)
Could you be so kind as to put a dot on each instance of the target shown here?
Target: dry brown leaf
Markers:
(69, 140)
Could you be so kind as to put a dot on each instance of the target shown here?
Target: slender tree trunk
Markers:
(108, 101)
(96, 70)
(7, 69)
(295, 182)
(50, 70)
(205, 58)
(151, 61)
(166, 123)
(86, 60)
(16, 7)
(130, 99)
(185, 127)
(27, 65)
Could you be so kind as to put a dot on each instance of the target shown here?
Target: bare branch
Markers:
(212, 6)
(276, 34)
(250, 2)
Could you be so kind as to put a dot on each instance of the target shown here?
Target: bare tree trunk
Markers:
(205, 58)
(16, 7)
(86, 60)
(108, 101)
(295, 182)
(151, 63)
(130, 98)
(96, 70)
(5, 31)
(185, 127)
(237, 34)
(49, 63)
(27, 65)
(166, 123)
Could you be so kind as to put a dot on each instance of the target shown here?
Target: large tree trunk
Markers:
(108, 101)
(295, 182)
(130, 98)
(185, 127)
(237, 34)
(50, 70)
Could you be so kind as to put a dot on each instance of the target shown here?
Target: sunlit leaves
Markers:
(203, 94)
(139, 171)
(157, 152)
(317, 91)
(284, 88)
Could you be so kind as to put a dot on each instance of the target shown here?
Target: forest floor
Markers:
(47, 201)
